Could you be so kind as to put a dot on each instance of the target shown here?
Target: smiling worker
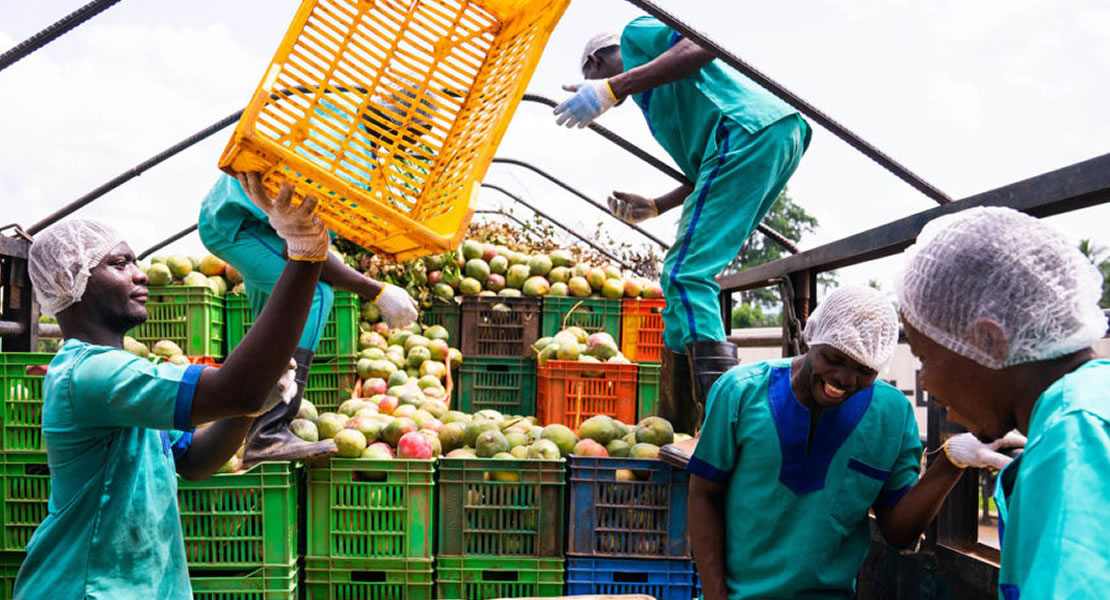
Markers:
(118, 428)
(1002, 311)
(794, 453)
(739, 145)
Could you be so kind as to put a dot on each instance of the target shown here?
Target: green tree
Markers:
(1099, 256)
(790, 219)
(746, 316)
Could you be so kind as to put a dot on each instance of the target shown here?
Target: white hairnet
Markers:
(859, 321)
(61, 258)
(1004, 266)
(599, 41)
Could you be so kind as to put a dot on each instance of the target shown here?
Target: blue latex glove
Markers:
(591, 98)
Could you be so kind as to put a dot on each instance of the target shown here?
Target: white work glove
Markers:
(631, 208)
(965, 450)
(304, 233)
(397, 306)
(591, 98)
(284, 391)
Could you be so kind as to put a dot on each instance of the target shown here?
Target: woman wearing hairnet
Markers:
(795, 451)
(1002, 311)
(119, 428)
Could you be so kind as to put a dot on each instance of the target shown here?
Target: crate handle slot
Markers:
(622, 577)
(368, 576)
(491, 575)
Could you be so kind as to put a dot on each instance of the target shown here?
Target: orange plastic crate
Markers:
(642, 329)
(569, 392)
(389, 112)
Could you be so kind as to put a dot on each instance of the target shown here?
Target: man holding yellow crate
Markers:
(233, 228)
(738, 144)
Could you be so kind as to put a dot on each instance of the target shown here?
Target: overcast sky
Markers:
(970, 94)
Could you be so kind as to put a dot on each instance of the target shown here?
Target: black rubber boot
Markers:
(708, 361)
(676, 397)
(269, 438)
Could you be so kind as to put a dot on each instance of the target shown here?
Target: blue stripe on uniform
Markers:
(705, 470)
(721, 152)
(183, 409)
(868, 470)
(319, 289)
(888, 498)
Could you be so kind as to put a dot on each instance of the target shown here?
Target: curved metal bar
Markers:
(662, 167)
(133, 173)
(598, 205)
(53, 32)
(166, 242)
(561, 226)
(840, 131)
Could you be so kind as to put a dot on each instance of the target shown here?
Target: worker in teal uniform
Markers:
(1003, 311)
(737, 143)
(795, 451)
(118, 428)
(234, 229)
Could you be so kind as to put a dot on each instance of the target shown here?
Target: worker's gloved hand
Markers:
(591, 98)
(305, 236)
(965, 450)
(397, 306)
(631, 208)
(284, 391)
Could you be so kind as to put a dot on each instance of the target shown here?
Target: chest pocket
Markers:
(856, 492)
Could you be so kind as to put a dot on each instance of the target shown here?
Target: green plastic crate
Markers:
(480, 578)
(592, 314)
(190, 316)
(240, 520)
(21, 375)
(446, 313)
(339, 338)
(9, 568)
(501, 507)
(647, 383)
(330, 383)
(362, 508)
(24, 495)
(262, 583)
(507, 385)
(368, 579)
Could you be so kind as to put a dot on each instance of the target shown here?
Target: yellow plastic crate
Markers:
(389, 112)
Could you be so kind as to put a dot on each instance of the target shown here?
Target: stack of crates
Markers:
(569, 392)
(241, 533)
(190, 316)
(332, 374)
(496, 338)
(24, 475)
(642, 343)
(629, 534)
(501, 525)
(369, 527)
(591, 314)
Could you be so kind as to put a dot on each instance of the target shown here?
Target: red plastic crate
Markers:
(642, 329)
(569, 392)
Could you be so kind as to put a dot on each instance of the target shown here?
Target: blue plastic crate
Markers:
(617, 518)
(661, 579)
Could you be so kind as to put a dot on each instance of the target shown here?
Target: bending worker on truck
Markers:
(795, 451)
(736, 142)
(117, 426)
(1003, 311)
(234, 229)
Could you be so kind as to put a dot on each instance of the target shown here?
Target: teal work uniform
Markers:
(796, 518)
(113, 425)
(1054, 499)
(236, 230)
(739, 145)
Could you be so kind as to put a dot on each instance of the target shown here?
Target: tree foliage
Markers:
(1099, 256)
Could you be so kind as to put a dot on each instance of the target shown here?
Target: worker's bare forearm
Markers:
(240, 387)
(902, 523)
(679, 62)
(345, 278)
(212, 447)
(673, 198)
(705, 518)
